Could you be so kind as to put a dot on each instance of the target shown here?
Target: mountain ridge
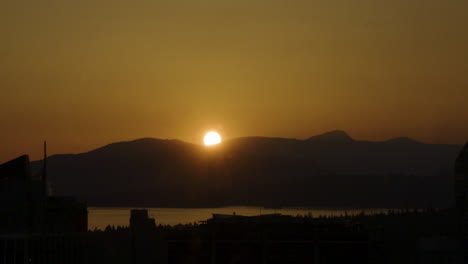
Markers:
(257, 171)
(334, 135)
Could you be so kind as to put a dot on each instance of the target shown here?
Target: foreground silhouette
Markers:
(39, 228)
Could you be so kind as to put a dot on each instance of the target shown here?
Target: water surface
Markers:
(100, 217)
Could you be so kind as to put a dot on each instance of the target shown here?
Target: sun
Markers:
(211, 138)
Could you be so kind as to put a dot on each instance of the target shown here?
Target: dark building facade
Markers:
(23, 198)
(36, 227)
(26, 207)
(147, 245)
(461, 198)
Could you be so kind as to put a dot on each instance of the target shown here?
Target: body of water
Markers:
(100, 217)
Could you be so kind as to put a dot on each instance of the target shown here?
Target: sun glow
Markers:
(212, 138)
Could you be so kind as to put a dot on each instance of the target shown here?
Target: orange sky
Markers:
(85, 73)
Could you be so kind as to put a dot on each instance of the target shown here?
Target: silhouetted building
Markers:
(147, 246)
(26, 207)
(66, 215)
(461, 198)
(437, 250)
(36, 228)
(140, 222)
(23, 199)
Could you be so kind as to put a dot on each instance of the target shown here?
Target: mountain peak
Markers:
(332, 136)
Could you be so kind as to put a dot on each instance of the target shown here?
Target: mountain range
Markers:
(327, 170)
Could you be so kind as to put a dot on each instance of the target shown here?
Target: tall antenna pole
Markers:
(44, 176)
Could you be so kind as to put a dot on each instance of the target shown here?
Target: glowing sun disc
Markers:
(211, 138)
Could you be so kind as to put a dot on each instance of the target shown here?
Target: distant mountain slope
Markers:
(325, 170)
(338, 152)
(332, 136)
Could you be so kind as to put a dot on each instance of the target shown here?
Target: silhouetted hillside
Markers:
(325, 170)
(332, 136)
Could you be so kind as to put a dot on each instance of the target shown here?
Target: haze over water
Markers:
(100, 217)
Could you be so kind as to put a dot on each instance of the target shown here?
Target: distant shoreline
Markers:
(100, 217)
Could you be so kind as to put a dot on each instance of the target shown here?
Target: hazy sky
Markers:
(85, 73)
